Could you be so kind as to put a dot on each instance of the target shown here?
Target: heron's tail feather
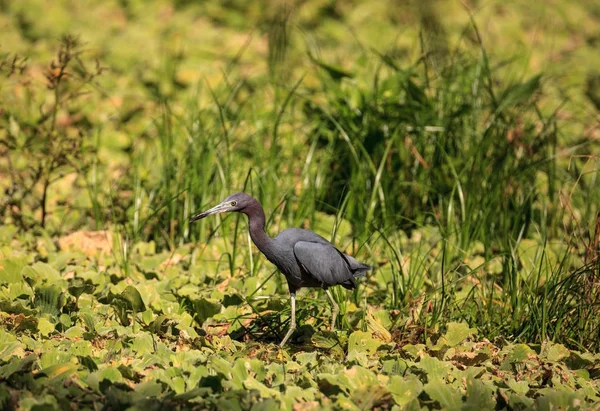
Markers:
(361, 270)
(358, 269)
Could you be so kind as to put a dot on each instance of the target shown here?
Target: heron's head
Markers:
(235, 202)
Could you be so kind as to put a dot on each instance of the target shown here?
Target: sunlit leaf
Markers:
(521, 352)
(45, 327)
(133, 298)
(59, 370)
(556, 352)
(362, 343)
(17, 365)
(404, 390)
(480, 396)
(205, 309)
(434, 368)
(10, 271)
(447, 396)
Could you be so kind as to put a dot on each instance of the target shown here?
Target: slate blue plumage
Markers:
(305, 258)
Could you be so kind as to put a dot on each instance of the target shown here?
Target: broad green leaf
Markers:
(42, 272)
(306, 359)
(142, 344)
(457, 333)
(45, 327)
(52, 357)
(88, 320)
(404, 390)
(49, 300)
(147, 316)
(518, 401)
(9, 349)
(325, 224)
(199, 392)
(394, 367)
(556, 352)
(434, 368)
(177, 384)
(17, 365)
(333, 384)
(74, 332)
(414, 351)
(361, 378)
(59, 370)
(133, 298)
(480, 396)
(43, 402)
(361, 342)
(205, 309)
(81, 348)
(187, 331)
(520, 387)
(10, 271)
(378, 323)
(78, 286)
(265, 392)
(446, 395)
(20, 290)
(111, 374)
(327, 340)
(156, 325)
(521, 352)
(88, 362)
(150, 388)
(220, 365)
(65, 320)
(551, 399)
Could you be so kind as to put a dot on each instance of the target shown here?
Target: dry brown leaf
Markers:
(92, 243)
(172, 260)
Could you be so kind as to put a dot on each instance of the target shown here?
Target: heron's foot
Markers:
(288, 335)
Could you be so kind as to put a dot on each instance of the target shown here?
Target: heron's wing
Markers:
(328, 265)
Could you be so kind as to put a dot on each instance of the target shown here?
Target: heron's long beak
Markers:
(221, 208)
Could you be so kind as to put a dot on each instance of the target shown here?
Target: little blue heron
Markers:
(306, 259)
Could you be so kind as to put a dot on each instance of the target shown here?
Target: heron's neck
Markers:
(256, 225)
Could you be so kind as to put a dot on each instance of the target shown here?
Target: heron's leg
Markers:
(334, 309)
(292, 322)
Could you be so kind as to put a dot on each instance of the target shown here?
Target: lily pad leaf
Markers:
(557, 352)
(447, 396)
(404, 390)
(521, 352)
(362, 342)
(10, 271)
(327, 340)
(17, 365)
(456, 334)
(479, 395)
(206, 308)
(133, 298)
(41, 272)
(79, 286)
(45, 327)
(59, 370)
(520, 387)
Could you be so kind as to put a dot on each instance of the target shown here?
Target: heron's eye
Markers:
(233, 203)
